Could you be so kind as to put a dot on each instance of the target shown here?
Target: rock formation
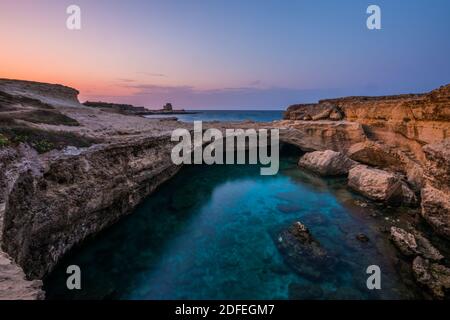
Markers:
(426, 261)
(436, 209)
(327, 163)
(127, 109)
(422, 118)
(167, 107)
(436, 192)
(433, 276)
(375, 154)
(321, 135)
(52, 200)
(62, 199)
(414, 244)
(14, 286)
(29, 91)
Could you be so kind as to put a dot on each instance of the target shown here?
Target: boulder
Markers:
(374, 154)
(327, 163)
(426, 249)
(408, 196)
(375, 184)
(404, 241)
(414, 244)
(336, 114)
(436, 209)
(325, 114)
(433, 276)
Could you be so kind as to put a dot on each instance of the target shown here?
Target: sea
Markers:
(225, 115)
(213, 232)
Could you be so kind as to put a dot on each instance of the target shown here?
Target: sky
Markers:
(227, 54)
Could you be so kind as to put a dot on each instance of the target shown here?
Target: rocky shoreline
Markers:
(128, 109)
(394, 150)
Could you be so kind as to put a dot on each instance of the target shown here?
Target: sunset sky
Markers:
(226, 54)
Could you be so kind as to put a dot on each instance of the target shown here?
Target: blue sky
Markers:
(229, 54)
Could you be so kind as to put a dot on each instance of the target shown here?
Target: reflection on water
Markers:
(210, 232)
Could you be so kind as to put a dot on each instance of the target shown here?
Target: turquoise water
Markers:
(211, 232)
(225, 115)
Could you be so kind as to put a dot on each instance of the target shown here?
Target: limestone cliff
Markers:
(63, 198)
(405, 134)
(406, 121)
(52, 94)
(67, 171)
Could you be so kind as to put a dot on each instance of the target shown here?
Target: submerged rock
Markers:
(286, 208)
(303, 253)
(362, 237)
(327, 163)
(433, 276)
(305, 291)
(375, 184)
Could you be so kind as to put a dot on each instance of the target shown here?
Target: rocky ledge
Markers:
(129, 109)
(13, 283)
(423, 118)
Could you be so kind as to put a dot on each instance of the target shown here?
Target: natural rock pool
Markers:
(211, 233)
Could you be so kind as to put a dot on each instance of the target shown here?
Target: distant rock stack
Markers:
(168, 107)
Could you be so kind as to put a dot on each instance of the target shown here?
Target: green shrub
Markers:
(21, 137)
(43, 146)
(3, 141)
